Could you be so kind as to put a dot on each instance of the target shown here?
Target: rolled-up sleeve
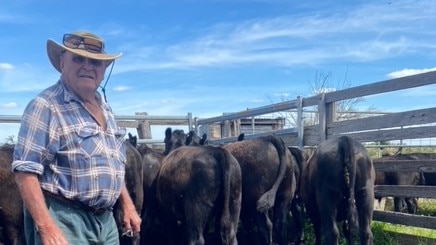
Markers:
(36, 132)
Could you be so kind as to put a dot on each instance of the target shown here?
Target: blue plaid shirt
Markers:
(73, 156)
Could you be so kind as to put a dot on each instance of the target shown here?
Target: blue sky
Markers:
(208, 57)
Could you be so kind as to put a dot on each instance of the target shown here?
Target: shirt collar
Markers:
(70, 96)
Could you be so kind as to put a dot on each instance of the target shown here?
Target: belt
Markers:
(75, 204)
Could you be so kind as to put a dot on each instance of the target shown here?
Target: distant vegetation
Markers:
(391, 149)
(393, 234)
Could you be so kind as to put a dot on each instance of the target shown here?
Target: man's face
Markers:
(80, 74)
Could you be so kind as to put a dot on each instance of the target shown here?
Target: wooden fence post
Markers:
(143, 128)
(300, 123)
(322, 117)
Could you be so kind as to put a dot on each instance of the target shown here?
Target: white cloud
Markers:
(282, 95)
(257, 101)
(122, 88)
(347, 34)
(28, 77)
(409, 72)
(6, 66)
(11, 105)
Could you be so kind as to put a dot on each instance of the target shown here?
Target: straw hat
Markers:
(54, 50)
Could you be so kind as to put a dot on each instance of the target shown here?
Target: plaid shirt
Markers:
(73, 156)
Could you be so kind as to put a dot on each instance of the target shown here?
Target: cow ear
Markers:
(203, 139)
(241, 137)
(168, 133)
(188, 138)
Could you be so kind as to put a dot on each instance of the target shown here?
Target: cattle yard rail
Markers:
(142, 122)
(414, 191)
(413, 124)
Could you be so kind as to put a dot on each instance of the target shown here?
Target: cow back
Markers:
(260, 166)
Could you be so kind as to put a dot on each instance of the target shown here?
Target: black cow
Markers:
(195, 186)
(151, 162)
(193, 139)
(338, 185)
(401, 204)
(174, 139)
(134, 172)
(297, 205)
(241, 137)
(429, 178)
(134, 184)
(268, 184)
(152, 159)
(11, 204)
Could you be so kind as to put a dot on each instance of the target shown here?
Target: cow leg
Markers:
(328, 209)
(346, 229)
(264, 226)
(281, 222)
(365, 233)
(399, 204)
(313, 213)
(297, 208)
(196, 218)
(170, 225)
(194, 232)
(234, 209)
(11, 234)
(330, 229)
(412, 205)
(248, 232)
(317, 231)
(365, 207)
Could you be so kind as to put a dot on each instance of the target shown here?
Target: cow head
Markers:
(174, 139)
(193, 139)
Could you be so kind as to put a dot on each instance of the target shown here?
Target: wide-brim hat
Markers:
(55, 50)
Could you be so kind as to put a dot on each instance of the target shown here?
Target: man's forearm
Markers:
(33, 199)
(125, 199)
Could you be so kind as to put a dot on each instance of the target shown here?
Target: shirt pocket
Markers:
(120, 151)
(89, 139)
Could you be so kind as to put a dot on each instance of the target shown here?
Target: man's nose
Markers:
(87, 63)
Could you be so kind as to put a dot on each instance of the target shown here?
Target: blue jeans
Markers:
(79, 226)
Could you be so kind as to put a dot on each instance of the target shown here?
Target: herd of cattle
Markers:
(239, 193)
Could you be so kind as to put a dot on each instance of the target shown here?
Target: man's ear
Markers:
(61, 61)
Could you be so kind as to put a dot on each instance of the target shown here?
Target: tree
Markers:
(10, 139)
(345, 109)
(323, 83)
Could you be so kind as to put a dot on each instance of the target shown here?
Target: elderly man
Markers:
(69, 160)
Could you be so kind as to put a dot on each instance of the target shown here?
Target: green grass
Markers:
(425, 207)
(415, 231)
(384, 234)
(380, 234)
(392, 234)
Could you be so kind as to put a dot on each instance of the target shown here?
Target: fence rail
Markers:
(414, 124)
